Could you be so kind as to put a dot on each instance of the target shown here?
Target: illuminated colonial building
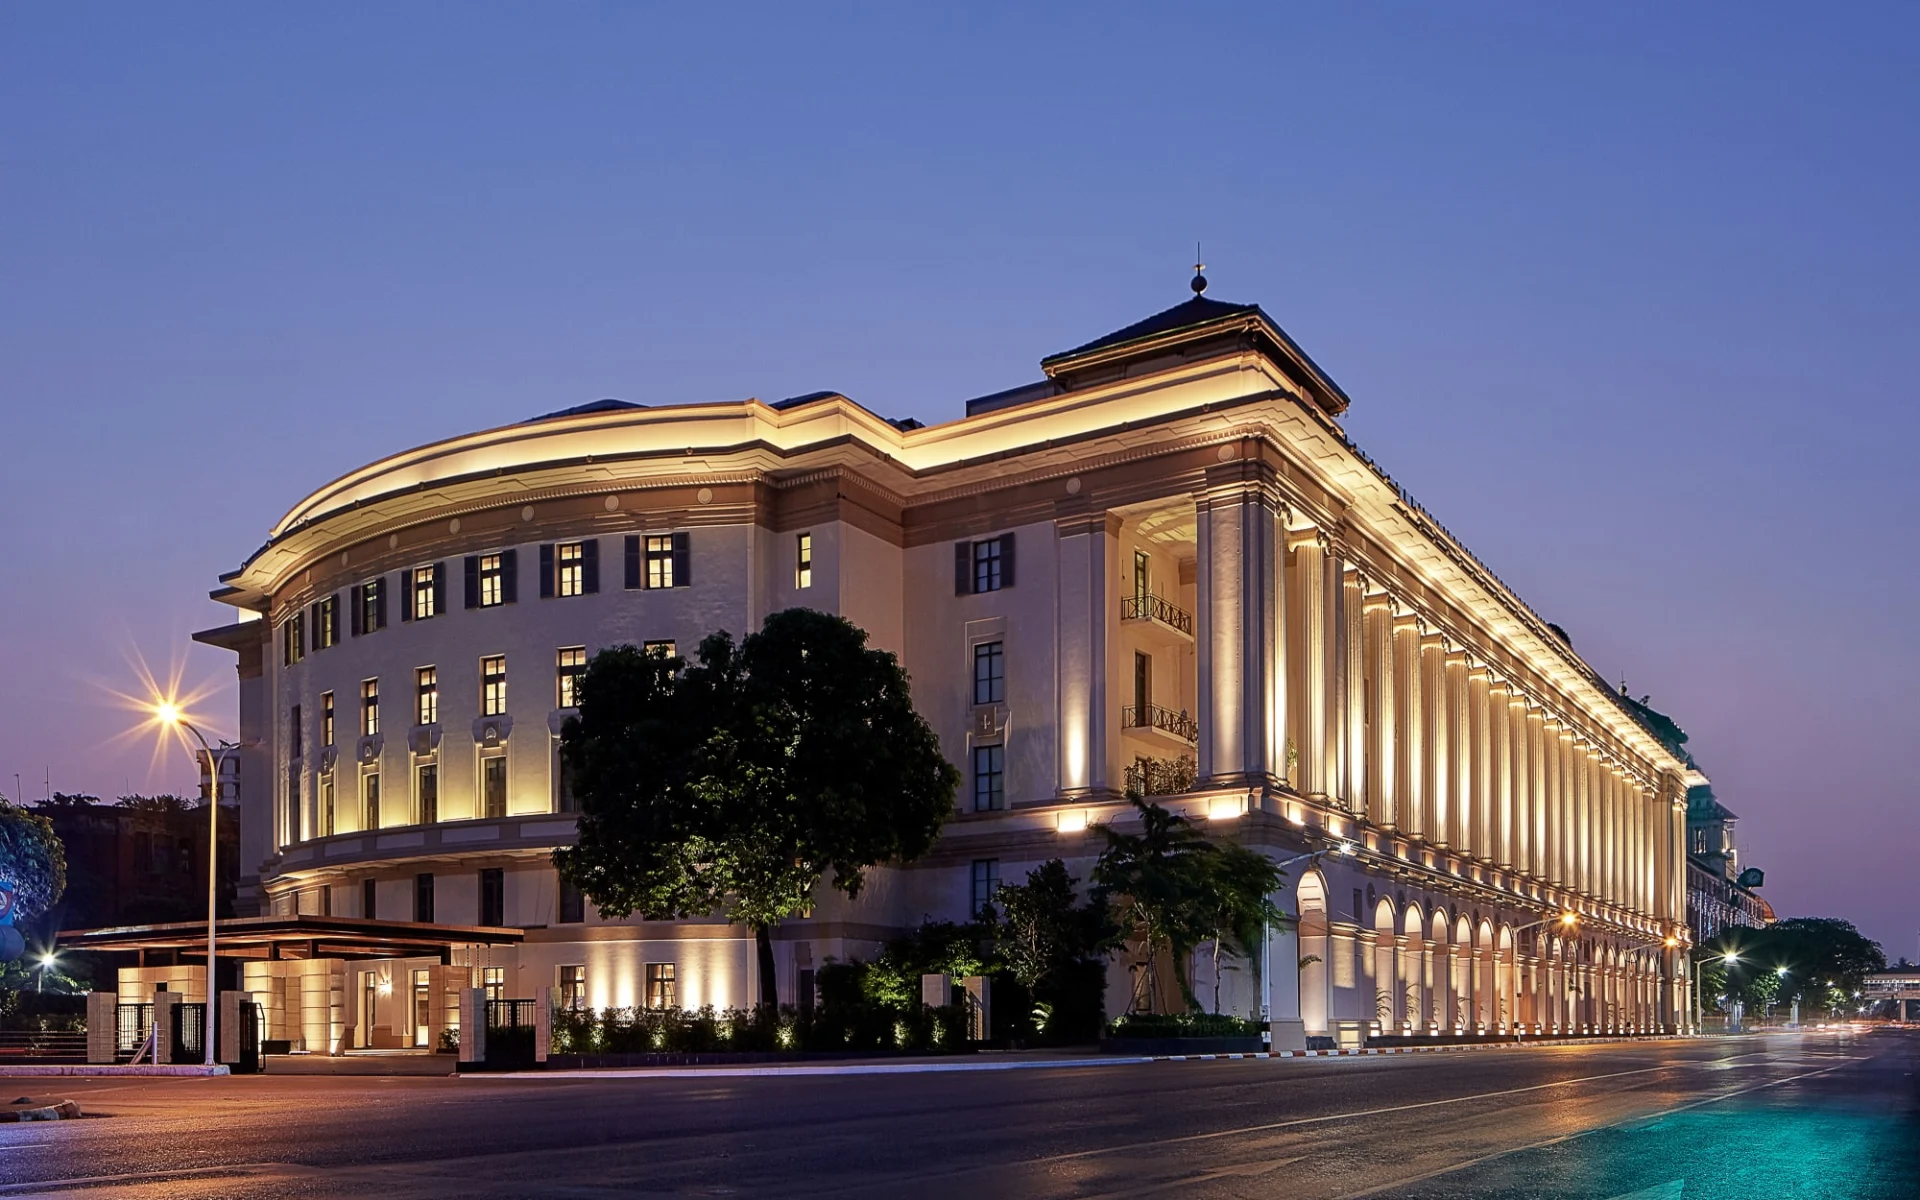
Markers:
(1163, 563)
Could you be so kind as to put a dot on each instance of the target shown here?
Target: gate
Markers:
(132, 1022)
(510, 1035)
(250, 1021)
(189, 1033)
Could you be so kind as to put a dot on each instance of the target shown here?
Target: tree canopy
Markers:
(735, 784)
(32, 860)
(1824, 960)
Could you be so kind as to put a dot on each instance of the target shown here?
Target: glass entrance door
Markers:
(422, 1008)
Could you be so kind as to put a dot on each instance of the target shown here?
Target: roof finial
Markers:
(1199, 283)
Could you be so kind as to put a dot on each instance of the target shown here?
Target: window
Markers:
(326, 623)
(989, 673)
(989, 764)
(573, 905)
(493, 785)
(370, 707)
(803, 569)
(293, 804)
(1142, 689)
(493, 896)
(369, 892)
(370, 606)
(664, 649)
(426, 690)
(370, 789)
(661, 992)
(1142, 577)
(423, 897)
(426, 590)
(986, 883)
(660, 562)
(569, 665)
(428, 778)
(573, 988)
(571, 578)
(326, 718)
(494, 981)
(983, 566)
(493, 686)
(326, 805)
(422, 1006)
(490, 579)
(295, 735)
(293, 641)
(569, 568)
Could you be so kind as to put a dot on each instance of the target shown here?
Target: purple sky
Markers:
(1618, 297)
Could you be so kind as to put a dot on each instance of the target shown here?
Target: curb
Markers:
(17, 1070)
(59, 1110)
(1456, 1047)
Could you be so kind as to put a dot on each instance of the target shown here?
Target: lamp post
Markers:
(1727, 958)
(170, 716)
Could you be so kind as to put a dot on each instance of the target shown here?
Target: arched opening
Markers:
(1507, 983)
(1416, 970)
(1486, 983)
(1440, 952)
(1386, 973)
(1312, 901)
(1465, 1002)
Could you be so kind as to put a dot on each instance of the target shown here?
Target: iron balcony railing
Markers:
(1162, 776)
(1152, 716)
(1154, 608)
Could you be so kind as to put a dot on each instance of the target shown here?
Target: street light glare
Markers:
(167, 712)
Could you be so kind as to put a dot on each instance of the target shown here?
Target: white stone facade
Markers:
(1202, 567)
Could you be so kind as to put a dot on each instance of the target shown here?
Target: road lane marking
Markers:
(1567, 1137)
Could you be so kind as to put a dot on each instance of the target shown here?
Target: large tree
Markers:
(737, 783)
(33, 864)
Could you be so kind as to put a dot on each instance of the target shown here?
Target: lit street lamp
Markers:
(168, 713)
(1728, 958)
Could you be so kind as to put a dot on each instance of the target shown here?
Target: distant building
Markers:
(1720, 895)
(1900, 990)
(226, 761)
(138, 862)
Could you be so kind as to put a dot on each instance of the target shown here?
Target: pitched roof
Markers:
(1197, 311)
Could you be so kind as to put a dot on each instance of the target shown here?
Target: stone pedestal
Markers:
(473, 1025)
(102, 1026)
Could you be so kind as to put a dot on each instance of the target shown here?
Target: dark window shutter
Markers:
(406, 595)
(313, 619)
(333, 620)
(682, 561)
(962, 568)
(509, 576)
(633, 562)
(439, 588)
(379, 587)
(546, 570)
(590, 566)
(1006, 560)
(473, 581)
(358, 611)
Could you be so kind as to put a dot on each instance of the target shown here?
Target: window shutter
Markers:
(682, 561)
(359, 593)
(379, 587)
(1006, 560)
(439, 588)
(406, 594)
(473, 581)
(962, 568)
(546, 570)
(333, 620)
(313, 620)
(509, 576)
(590, 566)
(633, 562)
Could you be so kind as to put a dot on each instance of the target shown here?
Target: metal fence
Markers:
(1153, 608)
(189, 1033)
(131, 1025)
(1152, 716)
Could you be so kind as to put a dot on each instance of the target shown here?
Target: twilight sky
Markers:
(1619, 295)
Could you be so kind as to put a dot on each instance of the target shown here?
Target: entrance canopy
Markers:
(294, 937)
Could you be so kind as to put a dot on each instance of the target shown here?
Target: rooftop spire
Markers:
(1199, 283)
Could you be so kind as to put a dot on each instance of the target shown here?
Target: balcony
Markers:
(1158, 611)
(1161, 720)
(1163, 776)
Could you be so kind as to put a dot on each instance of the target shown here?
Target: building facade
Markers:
(1721, 895)
(1162, 565)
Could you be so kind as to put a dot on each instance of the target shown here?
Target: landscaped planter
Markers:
(1155, 1046)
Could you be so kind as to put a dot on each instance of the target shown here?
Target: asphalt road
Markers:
(1827, 1115)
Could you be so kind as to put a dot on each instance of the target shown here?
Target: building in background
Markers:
(140, 861)
(1163, 565)
(226, 765)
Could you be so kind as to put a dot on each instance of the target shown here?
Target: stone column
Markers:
(1480, 753)
(1555, 837)
(102, 1026)
(1459, 792)
(1541, 805)
(1086, 544)
(1569, 819)
(1353, 689)
(1383, 809)
(1436, 768)
(1237, 528)
(1409, 727)
(1309, 664)
(1522, 783)
(1499, 729)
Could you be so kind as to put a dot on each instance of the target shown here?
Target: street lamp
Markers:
(1727, 959)
(169, 715)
